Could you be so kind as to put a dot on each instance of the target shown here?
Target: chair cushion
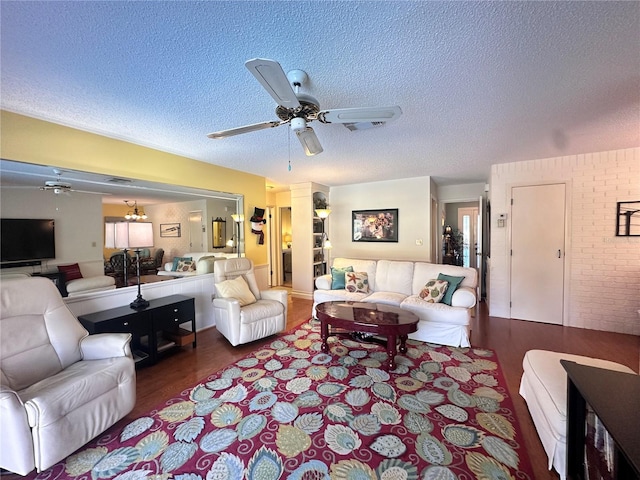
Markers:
(71, 272)
(337, 277)
(90, 283)
(261, 310)
(177, 260)
(236, 288)
(386, 298)
(356, 282)
(185, 266)
(453, 284)
(434, 291)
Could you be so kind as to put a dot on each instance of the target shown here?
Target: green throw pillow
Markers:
(177, 260)
(453, 284)
(337, 277)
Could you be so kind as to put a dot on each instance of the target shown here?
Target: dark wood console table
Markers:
(614, 398)
(154, 329)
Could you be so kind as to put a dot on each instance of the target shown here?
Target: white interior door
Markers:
(196, 232)
(479, 249)
(468, 225)
(537, 253)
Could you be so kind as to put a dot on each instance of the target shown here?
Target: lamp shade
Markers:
(133, 235)
(323, 212)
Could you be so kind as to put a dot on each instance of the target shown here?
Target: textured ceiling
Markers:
(478, 82)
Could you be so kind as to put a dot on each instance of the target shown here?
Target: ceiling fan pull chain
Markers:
(289, 143)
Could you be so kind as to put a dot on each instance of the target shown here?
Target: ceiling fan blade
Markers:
(309, 141)
(361, 114)
(271, 76)
(246, 129)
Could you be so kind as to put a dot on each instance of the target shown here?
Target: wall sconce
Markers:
(287, 239)
(136, 214)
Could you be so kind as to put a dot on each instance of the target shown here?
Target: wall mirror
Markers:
(24, 180)
(219, 232)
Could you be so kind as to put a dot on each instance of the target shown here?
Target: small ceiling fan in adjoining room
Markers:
(299, 109)
(58, 186)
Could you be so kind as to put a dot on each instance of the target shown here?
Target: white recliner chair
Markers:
(59, 386)
(241, 320)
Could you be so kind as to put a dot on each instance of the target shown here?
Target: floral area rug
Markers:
(289, 411)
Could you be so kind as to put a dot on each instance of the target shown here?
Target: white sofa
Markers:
(399, 283)
(204, 264)
(93, 280)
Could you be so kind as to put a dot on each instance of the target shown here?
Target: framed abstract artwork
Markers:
(628, 219)
(169, 229)
(374, 225)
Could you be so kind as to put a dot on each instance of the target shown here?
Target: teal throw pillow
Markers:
(337, 277)
(177, 260)
(453, 284)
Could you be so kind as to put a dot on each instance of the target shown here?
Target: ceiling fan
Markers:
(58, 186)
(299, 109)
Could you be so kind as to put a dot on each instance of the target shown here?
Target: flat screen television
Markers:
(23, 239)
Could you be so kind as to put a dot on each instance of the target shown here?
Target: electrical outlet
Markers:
(418, 241)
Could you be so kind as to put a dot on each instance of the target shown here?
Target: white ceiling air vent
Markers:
(119, 180)
(363, 125)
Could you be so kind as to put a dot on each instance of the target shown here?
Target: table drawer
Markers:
(135, 324)
(171, 316)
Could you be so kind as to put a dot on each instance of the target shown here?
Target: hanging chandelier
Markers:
(136, 213)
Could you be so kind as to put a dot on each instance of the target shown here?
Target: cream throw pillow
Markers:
(236, 288)
(434, 291)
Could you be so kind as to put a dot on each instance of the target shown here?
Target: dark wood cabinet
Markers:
(157, 328)
(58, 278)
(603, 423)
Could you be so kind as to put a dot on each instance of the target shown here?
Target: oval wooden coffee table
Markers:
(374, 318)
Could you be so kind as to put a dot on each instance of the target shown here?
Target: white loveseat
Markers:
(204, 264)
(399, 283)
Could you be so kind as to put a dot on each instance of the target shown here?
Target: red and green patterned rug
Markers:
(288, 411)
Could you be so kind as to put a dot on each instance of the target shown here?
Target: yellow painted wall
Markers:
(30, 140)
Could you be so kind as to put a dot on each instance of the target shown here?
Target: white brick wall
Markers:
(603, 271)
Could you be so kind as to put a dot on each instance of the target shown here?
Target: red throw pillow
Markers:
(71, 272)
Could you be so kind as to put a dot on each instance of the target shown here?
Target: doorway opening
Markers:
(287, 246)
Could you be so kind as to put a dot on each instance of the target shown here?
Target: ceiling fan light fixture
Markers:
(309, 141)
(298, 123)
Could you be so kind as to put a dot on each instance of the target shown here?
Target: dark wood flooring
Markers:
(510, 339)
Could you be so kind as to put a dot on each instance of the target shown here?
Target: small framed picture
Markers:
(374, 225)
(169, 229)
(628, 219)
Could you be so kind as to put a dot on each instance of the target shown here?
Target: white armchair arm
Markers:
(464, 297)
(281, 296)
(324, 282)
(106, 345)
(226, 312)
(16, 451)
